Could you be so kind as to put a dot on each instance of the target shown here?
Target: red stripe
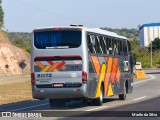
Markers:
(50, 62)
(60, 65)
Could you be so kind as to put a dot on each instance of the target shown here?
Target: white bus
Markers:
(75, 62)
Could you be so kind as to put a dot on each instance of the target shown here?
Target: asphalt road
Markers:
(145, 97)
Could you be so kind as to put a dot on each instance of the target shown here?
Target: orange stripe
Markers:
(63, 67)
(118, 75)
(108, 73)
(114, 69)
(96, 64)
(40, 64)
(54, 66)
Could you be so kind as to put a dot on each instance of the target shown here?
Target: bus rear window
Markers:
(57, 39)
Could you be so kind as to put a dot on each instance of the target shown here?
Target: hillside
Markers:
(11, 55)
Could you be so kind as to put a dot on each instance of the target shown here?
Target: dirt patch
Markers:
(15, 91)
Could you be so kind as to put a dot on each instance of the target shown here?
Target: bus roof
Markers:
(94, 30)
(105, 32)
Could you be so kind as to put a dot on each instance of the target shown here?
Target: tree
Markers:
(155, 44)
(1, 15)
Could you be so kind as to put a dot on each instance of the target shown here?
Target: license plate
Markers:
(58, 85)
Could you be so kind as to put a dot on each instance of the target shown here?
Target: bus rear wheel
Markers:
(123, 96)
(99, 101)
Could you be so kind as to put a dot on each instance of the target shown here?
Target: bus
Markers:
(75, 62)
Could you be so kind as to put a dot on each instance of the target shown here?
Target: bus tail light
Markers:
(56, 29)
(84, 77)
(32, 78)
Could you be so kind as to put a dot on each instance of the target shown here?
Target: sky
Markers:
(26, 15)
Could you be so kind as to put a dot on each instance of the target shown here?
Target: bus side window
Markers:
(115, 47)
(103, 43)
(97, 45)
(90, 43)
(129, 47)
(125, 47)
(110, 46)
(113, 42)
(100, 44)
(121, 47)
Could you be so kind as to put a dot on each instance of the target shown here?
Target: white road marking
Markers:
(96, 108)
(152, 77)
(139, 98)
(29, 107)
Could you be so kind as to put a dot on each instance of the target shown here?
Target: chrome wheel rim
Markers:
(101, 96)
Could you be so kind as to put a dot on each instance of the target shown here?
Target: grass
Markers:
(15, 90)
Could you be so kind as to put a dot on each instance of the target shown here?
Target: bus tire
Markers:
(56, 103)
(123, 96)
(88, 102)
(99, 101)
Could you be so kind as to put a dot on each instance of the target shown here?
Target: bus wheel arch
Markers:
(125, 90)
(126, 86)
(99, 101)
(102, 85)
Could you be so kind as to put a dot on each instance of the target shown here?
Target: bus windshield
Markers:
(57, 39)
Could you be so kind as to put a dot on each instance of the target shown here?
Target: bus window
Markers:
(57, 39)
(117, 41)
(100, 44)
(103, 44)
(110, 46)
(93, 42)
(97, 45)
(121, 47)
(129, 47)
(115, 47)
(125, 47)
(90, 45)
(107, 45)
(118, 44)
(113, 43)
